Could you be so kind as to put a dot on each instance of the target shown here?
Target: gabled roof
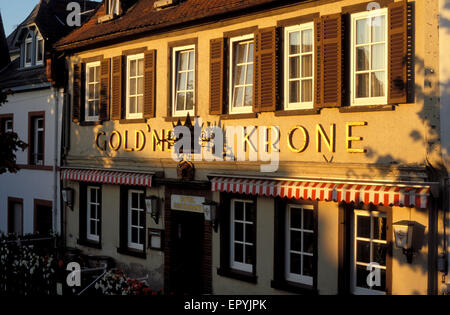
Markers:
(49, 16)
(4, 51)
(144, 18)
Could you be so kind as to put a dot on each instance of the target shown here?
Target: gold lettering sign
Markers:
(138, 143)
(349, 138)
(119, 140)
(101, 147)
(305, 139)
(321, 135)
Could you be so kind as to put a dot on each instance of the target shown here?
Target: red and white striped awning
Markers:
(377, 194)
(107, 177)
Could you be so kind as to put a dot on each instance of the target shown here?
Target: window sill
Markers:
(132, 252)
(181, 118)
(133, 121)
(35, 167)
(366, 108)
(296, 112)
(88, 243)
(293, 287)
(90, 123)
(238, 275)
(239, 116)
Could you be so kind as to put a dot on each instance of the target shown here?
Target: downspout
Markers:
(55, 165)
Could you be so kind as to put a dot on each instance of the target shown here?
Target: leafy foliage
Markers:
(114, 282)
(9, 144)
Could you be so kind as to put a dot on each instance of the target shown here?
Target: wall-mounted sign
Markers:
(187, 203)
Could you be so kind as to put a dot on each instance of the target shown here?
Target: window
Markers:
(369, 245)
(8, 125)
(28, 49)
(93, 213)
(36, 145)
(241, 74)
(15, 216)
(112, 7)
(135, 86)
(136, 219)
(183, 81)
(242, 227)
(39, 50)
(92, 91)
(369, 58)
(299, 62)
(299, 244)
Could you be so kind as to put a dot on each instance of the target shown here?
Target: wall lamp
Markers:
(211, 211)
(67, 196)
(404, 232)
(152, 205)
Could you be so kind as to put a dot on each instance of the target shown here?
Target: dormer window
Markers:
(112, 7)
(39, 50)
(33, 49)
(28, 49)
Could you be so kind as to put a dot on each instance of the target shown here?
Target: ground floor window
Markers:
(369, 252)
(299, 245)
(90, 222)
(136, 219)
(242, 235)
(15, 216)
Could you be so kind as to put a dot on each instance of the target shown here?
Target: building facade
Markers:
(30, 198)
(330, 124)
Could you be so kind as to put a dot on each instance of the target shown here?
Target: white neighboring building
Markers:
(30, 199)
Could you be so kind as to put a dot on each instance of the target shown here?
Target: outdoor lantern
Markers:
(210, 210)
(152, 206)
(403, 232)
(67, 195)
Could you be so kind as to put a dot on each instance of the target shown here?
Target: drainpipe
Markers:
(55, 164)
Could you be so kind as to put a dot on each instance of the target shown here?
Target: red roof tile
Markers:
(143, 18)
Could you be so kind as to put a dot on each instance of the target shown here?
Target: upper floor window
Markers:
(241, 74)
(135, 86)
(369, 58)
(92, 91)
(8, 125)
(33, 49)
(28, 51)
(112, 7)
(299, 62)
(39, 49)
(183, 81)
(36, 145)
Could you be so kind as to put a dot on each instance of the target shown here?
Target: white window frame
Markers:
(234, 264)
(89, 235)
(128, 114)
(380, 100)
(36, 135)
(5, 122)
(113, 10)
(137, 246)
(299, 278)
(86, 102)
(28, 40)
(39, 38)
(243, 109)
(371, 214)
(299, 105)
(175, 72)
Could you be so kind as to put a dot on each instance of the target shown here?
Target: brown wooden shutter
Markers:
(397, 52)
(265, 77)
(318, 67)
(149, 83)
(331, 60)
(105, 72)
(116, 95)
(78, 92)
(216, 74)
